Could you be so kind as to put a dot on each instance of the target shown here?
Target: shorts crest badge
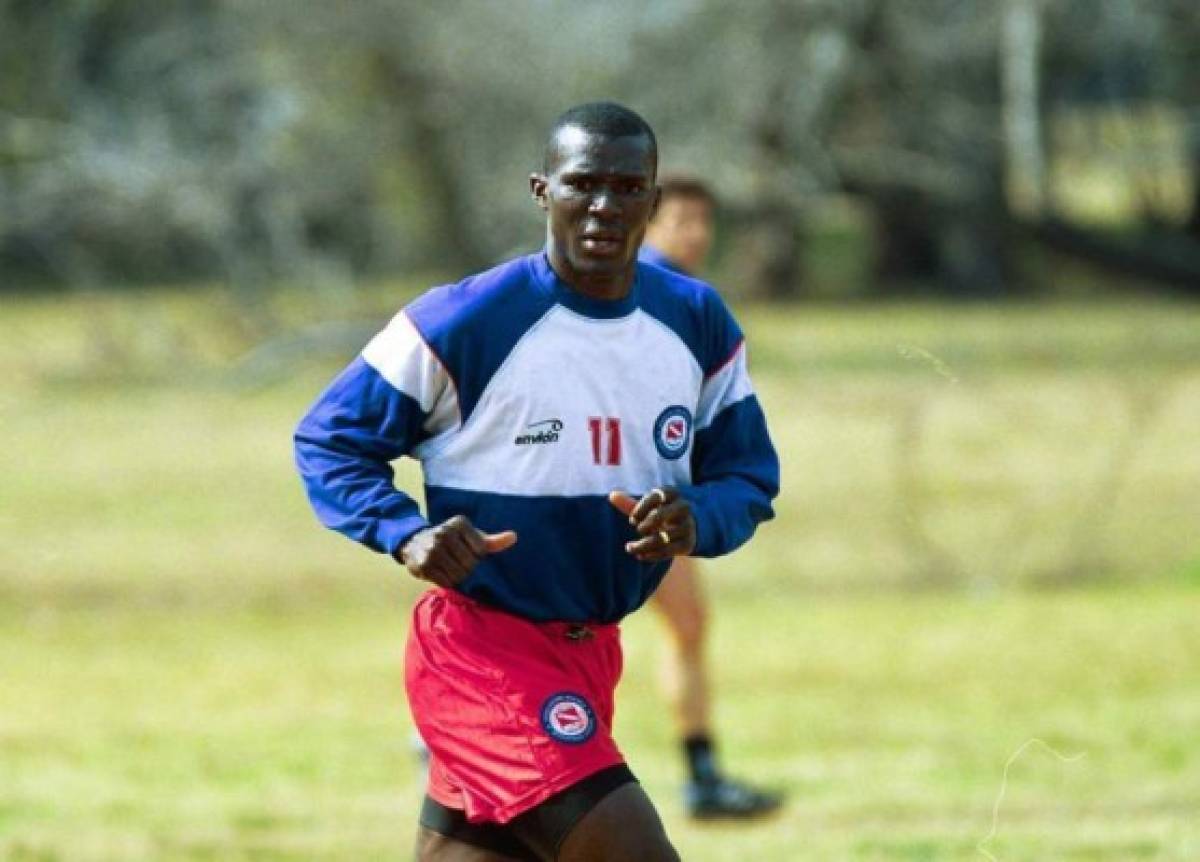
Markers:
(568, 718)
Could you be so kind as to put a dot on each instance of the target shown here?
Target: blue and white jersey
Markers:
(526, 404)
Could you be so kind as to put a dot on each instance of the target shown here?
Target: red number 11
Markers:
(612, 452)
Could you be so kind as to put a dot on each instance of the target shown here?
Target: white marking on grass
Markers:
(1064, 758)
(914, 353)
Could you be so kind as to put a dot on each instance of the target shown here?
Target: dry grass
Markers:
(193, 670)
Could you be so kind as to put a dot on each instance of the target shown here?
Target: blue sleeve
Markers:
(735, 476)
(343, 447)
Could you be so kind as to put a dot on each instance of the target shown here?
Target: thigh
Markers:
(624, 825)
(435, 847)
(680, 598)
(445, 835)
(544, 828)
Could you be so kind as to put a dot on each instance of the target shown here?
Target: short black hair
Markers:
(604, 118)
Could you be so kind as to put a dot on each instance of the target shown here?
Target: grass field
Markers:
(987, 537)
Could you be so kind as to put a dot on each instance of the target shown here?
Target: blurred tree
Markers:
(922, 144)
(298, 139)
(1182, 53)
(164, 146)
(1124, 62)
(458, 96)
(753, 100)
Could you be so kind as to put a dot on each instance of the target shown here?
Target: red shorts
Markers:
(513, 711)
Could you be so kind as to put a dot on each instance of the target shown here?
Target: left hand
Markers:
(664, 518)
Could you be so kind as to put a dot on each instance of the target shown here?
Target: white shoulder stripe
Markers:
(403, 359)
(729, 385)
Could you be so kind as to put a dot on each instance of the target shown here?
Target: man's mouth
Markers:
(601, 242)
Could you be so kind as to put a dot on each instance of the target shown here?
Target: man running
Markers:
(581, 419)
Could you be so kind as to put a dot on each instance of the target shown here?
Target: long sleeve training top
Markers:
(526, 404)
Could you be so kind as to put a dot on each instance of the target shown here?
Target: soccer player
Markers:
(679, 238)
(581, 419)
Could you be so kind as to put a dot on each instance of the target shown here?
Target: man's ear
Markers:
(537, 188)
(657, 201)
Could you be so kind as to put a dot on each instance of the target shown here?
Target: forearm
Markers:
(356, 496)
(735, 477)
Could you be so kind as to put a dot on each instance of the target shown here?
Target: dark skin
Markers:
(623, 826)
(446, 553)
(599, 194)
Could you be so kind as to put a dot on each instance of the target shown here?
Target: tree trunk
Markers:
(771, 254)
(976, 252)
(905, 239)
(413, 95)
(1192, 227)
(1025, 163)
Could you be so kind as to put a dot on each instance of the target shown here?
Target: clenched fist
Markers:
(446, 553)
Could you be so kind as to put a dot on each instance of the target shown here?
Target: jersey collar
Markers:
(562, 293)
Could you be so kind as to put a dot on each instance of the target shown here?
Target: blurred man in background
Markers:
(679, 238)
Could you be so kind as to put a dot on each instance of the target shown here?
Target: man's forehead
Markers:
(578, 149)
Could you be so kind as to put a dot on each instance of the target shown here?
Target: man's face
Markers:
(599, 195)
(683, 230)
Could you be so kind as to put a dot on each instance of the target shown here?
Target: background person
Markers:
(679, 237)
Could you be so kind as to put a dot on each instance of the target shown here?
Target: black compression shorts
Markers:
(538, 834)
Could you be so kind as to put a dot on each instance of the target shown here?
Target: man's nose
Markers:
(603, 201)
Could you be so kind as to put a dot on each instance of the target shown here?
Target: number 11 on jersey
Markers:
(606, 440)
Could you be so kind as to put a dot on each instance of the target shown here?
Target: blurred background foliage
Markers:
(861, 147)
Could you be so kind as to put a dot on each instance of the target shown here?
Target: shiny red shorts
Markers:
(513, 711)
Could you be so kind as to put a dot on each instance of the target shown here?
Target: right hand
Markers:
(446, 553)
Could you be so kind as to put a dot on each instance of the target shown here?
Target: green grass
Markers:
(987, 536)
(154, 733)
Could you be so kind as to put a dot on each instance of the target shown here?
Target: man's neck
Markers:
(606, 288)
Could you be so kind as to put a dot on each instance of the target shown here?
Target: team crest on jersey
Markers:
(568, 718)
(673, 432)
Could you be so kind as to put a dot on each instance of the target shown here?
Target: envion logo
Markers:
(545, 431)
